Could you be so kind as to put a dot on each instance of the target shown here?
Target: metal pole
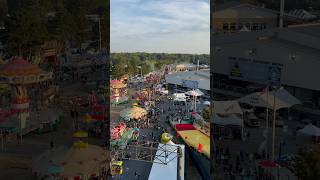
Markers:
(274, 124)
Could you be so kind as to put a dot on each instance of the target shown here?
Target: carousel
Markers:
(19, 74)
(119, 92)
(133, 113)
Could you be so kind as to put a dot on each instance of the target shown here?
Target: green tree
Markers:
(27, 28)
(307, 164)
(206, 114)
(3, 10)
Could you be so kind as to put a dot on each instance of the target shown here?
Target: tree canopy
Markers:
(129, 63)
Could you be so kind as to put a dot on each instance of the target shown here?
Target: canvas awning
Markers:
(283, 99)
(227, 107)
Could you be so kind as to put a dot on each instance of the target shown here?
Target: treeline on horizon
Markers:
(129, 63)
(31, 23)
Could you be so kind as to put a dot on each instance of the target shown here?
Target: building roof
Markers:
(202, 77)
(239, 10)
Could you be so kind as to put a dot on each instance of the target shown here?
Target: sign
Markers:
(255, 71)
(190, 84)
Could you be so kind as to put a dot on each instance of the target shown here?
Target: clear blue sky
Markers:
(163, 26)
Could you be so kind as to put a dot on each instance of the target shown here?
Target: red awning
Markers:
(183, 127)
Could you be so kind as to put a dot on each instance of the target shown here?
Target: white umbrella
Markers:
(281, 98)
(207, 103)
(196, 92)
(311, 130)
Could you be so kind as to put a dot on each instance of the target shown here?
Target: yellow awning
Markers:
(195, 138)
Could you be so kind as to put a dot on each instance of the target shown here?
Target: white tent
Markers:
(179, 97)
(281, 98)
(227, 107)
(227, 120)
(196, 92)
(311, 130)
(207, 103)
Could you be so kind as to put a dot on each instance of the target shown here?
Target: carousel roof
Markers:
(133, 112)
(19, 67)
(117, 84)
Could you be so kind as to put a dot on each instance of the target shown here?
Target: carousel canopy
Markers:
(133, 113)
(19, 67)
(117, 84)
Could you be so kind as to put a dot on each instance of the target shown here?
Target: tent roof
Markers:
(227, 107)
(310, 129)
(283, 99)
(228, 120)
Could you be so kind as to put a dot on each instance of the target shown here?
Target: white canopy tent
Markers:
(227, 107)
(277, 98)
(311, 130)
(227, 120)
(207, 103)
(230, 109)
(179, 97)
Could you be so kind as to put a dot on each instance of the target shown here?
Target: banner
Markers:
(255, 71)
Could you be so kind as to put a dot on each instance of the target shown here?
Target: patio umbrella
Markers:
(207, 103)
(281, 98)
(311, 130)
(196, 92)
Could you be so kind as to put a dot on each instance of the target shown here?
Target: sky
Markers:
(160, 26)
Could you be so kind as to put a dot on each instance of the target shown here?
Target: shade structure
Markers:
(80, 134)
(283, 99)
(227, 107)
(196, 92)
(207, 103)
(311, 130)
(194, 137)
(19, 67)
(227, 120)
(183, 127)
(133, 112)
(268, 164)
